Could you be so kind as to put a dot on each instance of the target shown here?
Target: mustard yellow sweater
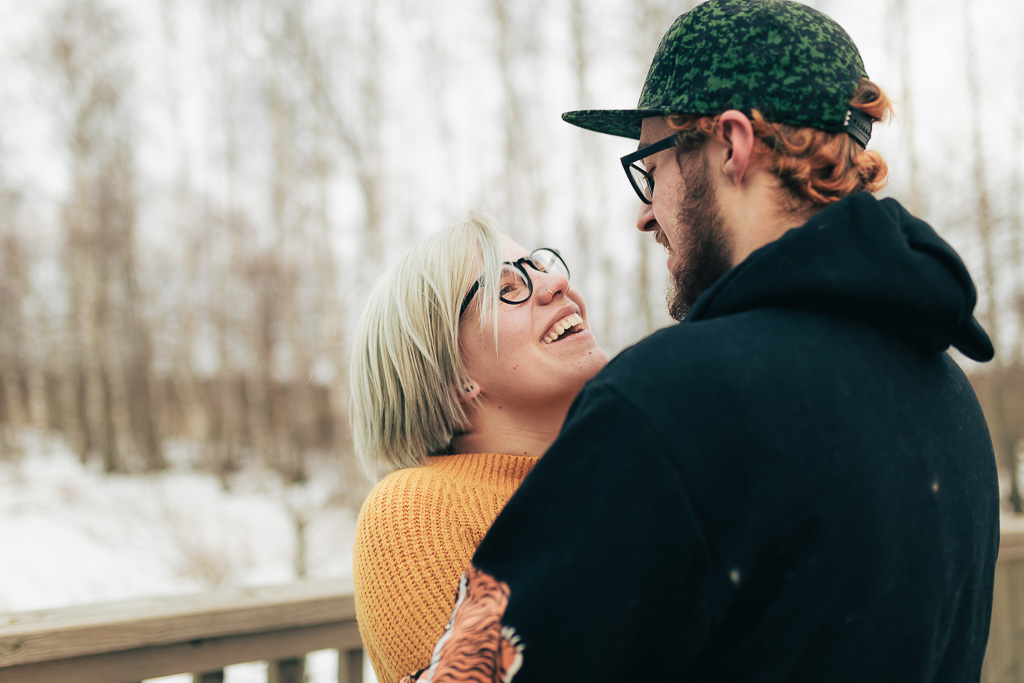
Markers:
(416, 533)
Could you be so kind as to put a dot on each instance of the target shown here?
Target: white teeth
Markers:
(561, 326)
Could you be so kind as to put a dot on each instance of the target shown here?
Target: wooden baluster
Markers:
(350, 666)
(287, 671)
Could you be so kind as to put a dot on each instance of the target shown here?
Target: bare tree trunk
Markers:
(274, 295)
(1001, 437)
(73, 422)
(38, 388)
(82, 53)
(124, 334)
(13, 351)
(22, 361)
(329, 309)
(98, 395)
(89, 321)
(330, 313)
(1016, 226)
(1012, 361)
(524, 193)
(301, 526)
(230, 389)
(368, 155)
(591, 205)
(909, 130)
(186, 382)
(187, 390)
(79, 376)
(356, 126)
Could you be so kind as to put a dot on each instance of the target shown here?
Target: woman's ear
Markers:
(468, 392)
(738, 133)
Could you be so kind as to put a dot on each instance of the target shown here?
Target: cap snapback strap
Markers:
(858, 126)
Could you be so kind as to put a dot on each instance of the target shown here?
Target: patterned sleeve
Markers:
(596, 558)
(475, 645)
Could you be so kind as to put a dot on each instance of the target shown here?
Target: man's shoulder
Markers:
(705, 350)
(737, 361)
(662, 383)
(760, 342)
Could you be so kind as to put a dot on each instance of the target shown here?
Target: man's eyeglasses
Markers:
(639, 178)
(515, 285)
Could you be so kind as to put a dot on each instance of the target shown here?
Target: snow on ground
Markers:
(75, 536)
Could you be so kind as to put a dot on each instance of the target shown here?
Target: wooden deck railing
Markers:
(127, 642)
(1004, 659)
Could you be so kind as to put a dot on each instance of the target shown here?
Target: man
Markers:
(796, 483)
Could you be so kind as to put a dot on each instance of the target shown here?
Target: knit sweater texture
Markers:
(416, 533)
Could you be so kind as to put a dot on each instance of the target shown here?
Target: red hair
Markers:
(812, 165)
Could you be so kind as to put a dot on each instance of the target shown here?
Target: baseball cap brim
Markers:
(622, 122)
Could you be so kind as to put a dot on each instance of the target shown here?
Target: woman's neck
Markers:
(505, 431)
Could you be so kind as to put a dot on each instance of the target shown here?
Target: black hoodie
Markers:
(794, 484)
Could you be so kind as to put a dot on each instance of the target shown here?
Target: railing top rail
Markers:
(47, 635)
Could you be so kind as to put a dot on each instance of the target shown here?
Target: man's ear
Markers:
(738, 133)
(467, 393)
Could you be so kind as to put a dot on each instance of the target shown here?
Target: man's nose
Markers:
(645, 221)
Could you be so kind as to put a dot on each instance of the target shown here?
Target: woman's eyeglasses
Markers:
(515, 285)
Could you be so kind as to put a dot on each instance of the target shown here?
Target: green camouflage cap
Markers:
(790, 62)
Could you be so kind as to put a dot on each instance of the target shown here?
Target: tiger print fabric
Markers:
(476, 647)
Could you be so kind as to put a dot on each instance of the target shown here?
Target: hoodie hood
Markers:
(866, 260)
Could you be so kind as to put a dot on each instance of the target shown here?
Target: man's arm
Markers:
(596, 560)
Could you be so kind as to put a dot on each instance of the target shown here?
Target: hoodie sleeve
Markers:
(573, 573)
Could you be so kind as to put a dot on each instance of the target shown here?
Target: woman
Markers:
(466, 360)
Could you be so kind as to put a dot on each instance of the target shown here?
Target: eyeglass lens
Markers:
(641, 180)
(548, 261)
(513, 286)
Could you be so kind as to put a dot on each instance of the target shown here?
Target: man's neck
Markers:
(760, 215)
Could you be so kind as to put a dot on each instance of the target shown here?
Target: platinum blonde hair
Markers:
(406, 366)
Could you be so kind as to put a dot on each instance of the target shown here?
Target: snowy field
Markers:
(81, 537)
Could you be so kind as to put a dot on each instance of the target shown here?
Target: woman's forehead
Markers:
(512, 250)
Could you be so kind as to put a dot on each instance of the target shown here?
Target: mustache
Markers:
(659, 237)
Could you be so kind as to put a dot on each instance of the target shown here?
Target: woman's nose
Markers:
(548, 285)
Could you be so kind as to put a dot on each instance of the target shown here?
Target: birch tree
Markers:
(13, 334)
(1002, 436)
(904, 57)
(108, 377)
(590, 205)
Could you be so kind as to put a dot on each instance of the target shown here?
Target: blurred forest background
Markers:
(195, 194)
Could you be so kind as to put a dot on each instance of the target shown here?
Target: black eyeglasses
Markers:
(515, 285)
(639, 178)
